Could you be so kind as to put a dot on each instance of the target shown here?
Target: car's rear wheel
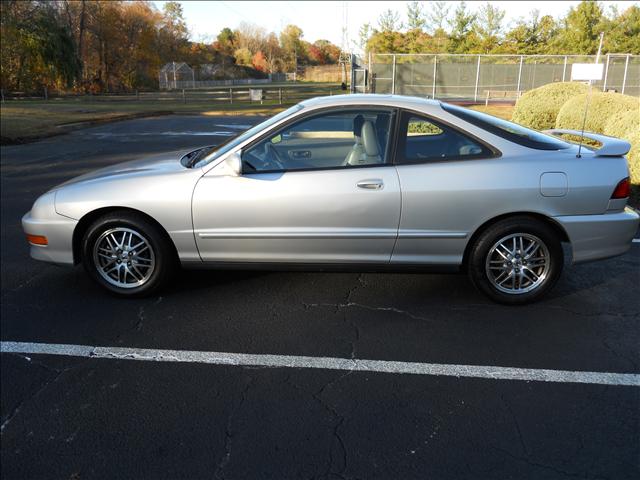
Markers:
(127, 254)
(516, 260)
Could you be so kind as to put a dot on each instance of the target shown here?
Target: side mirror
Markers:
(234, 164)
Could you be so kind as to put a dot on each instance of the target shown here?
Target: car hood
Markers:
(156, 164)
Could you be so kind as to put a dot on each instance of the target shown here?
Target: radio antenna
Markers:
(586, 107)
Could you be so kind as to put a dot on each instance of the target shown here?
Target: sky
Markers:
(324, 19)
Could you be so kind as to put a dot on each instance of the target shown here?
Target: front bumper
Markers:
(59, 233)
(594, 237)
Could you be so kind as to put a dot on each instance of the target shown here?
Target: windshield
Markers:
(211, 153)
(508, 130)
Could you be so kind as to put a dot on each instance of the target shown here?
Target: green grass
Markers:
(502, 111)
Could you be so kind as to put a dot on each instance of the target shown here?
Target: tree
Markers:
(174, 30)
(363, 35)
(291, 43)
(531, 36)
(437, 16)
(316, 55)
(243, 56)
(463, 38)
(273, 53)
(415, 16)
(389, 21)
(226, 41)
(624, 34)
(387, 42)
(259, 62)
(582, 27)
(489, 25)
(250, 36)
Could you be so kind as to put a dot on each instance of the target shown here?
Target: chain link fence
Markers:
(483, 77)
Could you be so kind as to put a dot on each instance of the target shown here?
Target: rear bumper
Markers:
(594, 237)
(59, 233)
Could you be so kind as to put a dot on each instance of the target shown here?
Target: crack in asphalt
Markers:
(525, 450)
(58, 373)
(141, 316)
(338, 306)
(224, 460)
(336, 436)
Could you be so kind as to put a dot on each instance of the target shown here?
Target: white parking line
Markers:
(291, 361)
(636, 240)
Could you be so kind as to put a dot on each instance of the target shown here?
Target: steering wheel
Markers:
(272, 157)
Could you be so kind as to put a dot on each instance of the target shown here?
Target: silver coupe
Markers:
(353, 182)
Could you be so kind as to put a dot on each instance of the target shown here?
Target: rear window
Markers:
(507, 130)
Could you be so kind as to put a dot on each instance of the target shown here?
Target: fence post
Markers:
(435, 72)
(393, 76)
(564, 68)
(46, 94)
(184, 97)
(231, 95)
(519, 73)
(280, 96)
(624, 77)
(606, 72)
(475, 95)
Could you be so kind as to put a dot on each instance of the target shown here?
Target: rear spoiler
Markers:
(611, 147)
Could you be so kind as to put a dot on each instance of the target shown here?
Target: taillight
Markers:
(622, 190)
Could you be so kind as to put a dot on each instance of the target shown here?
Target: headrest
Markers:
(369, 140)
(357, 125)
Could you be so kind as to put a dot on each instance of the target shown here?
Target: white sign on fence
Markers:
(586, 71)
(255, 94)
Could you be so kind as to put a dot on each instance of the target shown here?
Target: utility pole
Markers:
(345, 56)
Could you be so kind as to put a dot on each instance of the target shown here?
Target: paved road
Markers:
(79, 417)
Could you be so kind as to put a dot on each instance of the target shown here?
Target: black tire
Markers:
(483, 277)
(161, 254)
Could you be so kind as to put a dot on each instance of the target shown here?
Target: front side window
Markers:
(209, 154)
(423, 140)
(346, 138)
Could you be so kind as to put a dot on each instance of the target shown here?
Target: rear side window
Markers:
(508, 130)
(424, 140)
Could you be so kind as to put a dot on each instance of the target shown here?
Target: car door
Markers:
(440, 168)
(304, 196)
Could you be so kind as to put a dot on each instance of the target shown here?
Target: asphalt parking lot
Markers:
(138, 411)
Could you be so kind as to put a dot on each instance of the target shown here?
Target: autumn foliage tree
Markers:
(113, 45)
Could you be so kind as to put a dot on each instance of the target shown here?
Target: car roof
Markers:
(372, 99)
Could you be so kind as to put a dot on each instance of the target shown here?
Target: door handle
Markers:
(370, 184)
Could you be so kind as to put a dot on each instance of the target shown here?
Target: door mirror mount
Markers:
(233, 164)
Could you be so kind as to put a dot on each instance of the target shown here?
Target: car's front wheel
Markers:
(127, 254)
(516, 260)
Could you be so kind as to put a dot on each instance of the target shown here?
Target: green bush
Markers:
(634, 166)
(634, 156)
(601, 108)
(622, 124)
(538, 108)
